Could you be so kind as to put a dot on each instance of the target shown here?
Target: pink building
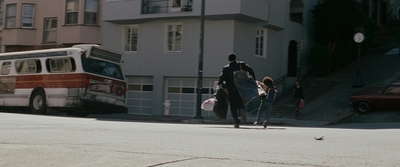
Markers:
(40, 24)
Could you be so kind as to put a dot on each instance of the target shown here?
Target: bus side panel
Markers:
(7, 91)
(59, 88)
(20, 98)
(63, 97)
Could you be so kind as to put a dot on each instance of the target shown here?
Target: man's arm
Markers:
(222, 77)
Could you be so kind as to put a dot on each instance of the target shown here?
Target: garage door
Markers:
(140, 95)
(182, 92)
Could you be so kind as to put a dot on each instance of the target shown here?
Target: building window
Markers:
(91, 11)
(176, 3)
(1, 11)
(261, 42)
(50, 30)
(131, 38)
(296, 11)
(174, 37)
(28, 12)
(11, 12)
(72, 12)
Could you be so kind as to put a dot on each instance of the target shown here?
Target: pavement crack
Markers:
(171, 162)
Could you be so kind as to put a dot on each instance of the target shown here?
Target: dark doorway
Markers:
(292, 60)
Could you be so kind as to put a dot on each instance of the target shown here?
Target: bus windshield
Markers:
(100, 67)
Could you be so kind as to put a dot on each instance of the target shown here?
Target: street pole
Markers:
(359, 38)
(200, 71)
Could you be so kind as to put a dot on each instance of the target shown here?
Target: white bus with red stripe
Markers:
(81, 80)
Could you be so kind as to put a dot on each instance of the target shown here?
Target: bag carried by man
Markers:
(217, 104)
(245, 84)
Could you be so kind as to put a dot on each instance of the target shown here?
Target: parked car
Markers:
(377, 98)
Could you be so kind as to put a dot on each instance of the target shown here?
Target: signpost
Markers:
(359, 38)
(200, 72)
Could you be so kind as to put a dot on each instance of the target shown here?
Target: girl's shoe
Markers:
(265, 124)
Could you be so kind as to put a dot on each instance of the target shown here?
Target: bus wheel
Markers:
(37, 103)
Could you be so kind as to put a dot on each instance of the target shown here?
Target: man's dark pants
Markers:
(235, 102)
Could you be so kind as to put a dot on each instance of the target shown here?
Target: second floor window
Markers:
(174, 37)
(261, 42)
(11, 12)
(28, 12)
(1, 11)
(131, 38)
(72, 12)
(50, 30)
(91, 11)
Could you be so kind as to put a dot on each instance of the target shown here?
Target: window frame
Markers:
(31, 17)
(69, 12)
(129, 39)
(8, 17)
(96, 21)
(47, 31)
(173, 41)
(261, 42)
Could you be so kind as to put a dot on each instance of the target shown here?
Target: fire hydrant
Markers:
(167, 104)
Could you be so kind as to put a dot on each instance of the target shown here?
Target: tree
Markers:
(335, 21)
(320, 59)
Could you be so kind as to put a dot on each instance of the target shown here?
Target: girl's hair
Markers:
(268, 81)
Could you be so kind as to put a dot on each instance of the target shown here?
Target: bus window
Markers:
(28, 66)
(102, 68)
(60, 65)
(5, 68)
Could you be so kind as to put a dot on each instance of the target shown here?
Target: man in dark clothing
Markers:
(226, 80)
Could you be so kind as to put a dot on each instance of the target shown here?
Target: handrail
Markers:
(280, 79)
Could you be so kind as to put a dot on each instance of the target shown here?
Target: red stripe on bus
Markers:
(58, 81)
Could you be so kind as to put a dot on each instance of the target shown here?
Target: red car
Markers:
(377, 98)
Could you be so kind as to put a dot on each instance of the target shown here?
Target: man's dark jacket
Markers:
(227, 73)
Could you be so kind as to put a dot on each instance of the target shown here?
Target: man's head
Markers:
(232, 57)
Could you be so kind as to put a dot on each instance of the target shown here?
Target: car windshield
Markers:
(392, 90)
(100, 67)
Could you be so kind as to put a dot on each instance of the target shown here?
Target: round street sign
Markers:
(359, 37)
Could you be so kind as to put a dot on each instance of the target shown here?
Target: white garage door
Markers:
(182, 92)
(140, 95)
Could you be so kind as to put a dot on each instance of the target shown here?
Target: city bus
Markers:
(80, 80)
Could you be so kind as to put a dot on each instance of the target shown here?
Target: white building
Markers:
(160, 40)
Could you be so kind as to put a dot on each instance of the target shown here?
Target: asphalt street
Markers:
(28, 140)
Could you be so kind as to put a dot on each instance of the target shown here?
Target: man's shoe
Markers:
(243, 114)
(236, 126)
(257, 123)
(265, 124)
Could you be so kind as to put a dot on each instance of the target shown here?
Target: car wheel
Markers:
(363, 106)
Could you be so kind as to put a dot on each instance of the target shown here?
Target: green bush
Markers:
(320, 59)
